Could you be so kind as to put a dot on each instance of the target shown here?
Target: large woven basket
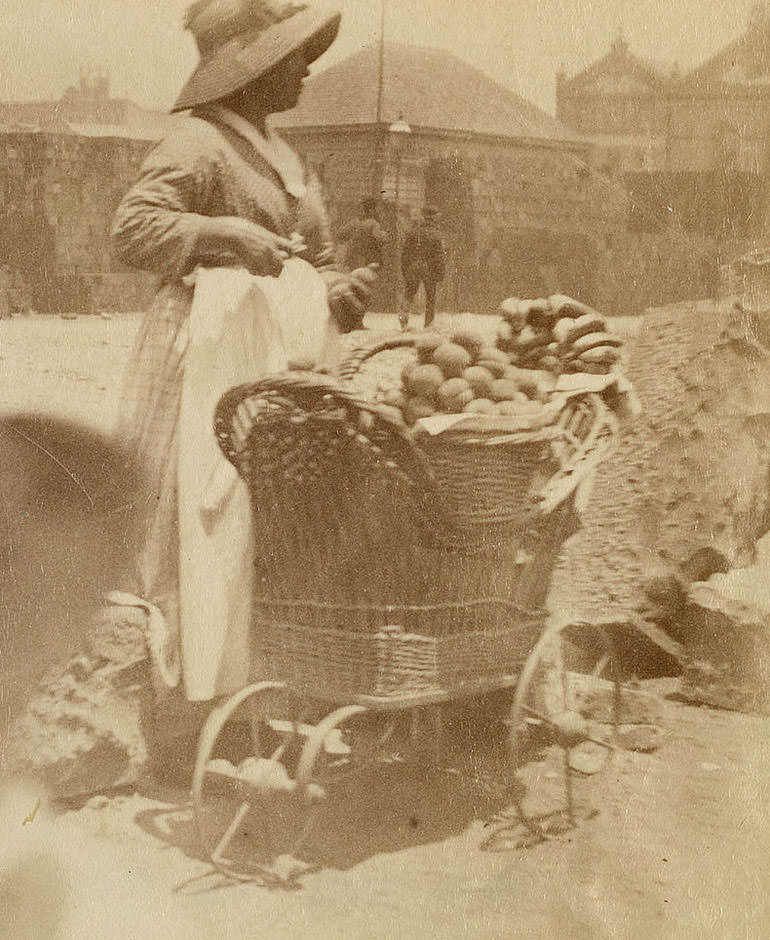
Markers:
(498, 474)
(389, 564)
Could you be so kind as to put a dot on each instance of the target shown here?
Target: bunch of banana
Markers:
(557, 334)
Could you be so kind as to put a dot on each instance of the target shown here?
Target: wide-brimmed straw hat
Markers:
(239, 40)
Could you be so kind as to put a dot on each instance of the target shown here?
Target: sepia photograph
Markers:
(385, 469)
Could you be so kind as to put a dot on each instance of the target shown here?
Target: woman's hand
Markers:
(349, 297)
(326, 257)
(261, 251)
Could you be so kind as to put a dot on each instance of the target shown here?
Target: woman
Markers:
(222, 190)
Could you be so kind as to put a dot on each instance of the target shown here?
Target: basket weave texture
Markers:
(389, 563)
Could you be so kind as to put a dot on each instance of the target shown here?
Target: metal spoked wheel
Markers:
(563, 727)
(262, 770)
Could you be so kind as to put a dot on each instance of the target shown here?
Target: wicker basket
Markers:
(391, 564)
(501, 473)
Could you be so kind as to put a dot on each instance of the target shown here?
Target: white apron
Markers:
(242, 327)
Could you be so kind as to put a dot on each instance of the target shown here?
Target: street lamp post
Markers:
(398, 133)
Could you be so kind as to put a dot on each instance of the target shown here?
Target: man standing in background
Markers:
(363, 237)
(422, 262)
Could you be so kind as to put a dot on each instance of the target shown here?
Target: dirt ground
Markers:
(679, 848)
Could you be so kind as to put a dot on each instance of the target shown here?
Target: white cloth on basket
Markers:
(242, 327)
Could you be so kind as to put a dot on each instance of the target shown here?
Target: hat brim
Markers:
(243, 59)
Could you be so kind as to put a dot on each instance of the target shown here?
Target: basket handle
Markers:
(351, 365)
(315, 386)
(578, 472)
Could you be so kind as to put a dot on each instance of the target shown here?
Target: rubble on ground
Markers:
(726, 634)
(83, 730)
(686, 494)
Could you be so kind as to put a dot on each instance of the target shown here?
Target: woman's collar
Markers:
(270, 146)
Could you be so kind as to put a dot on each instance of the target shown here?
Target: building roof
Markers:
(428, 88)
(113, 117)
(620, 71)
(745, 61)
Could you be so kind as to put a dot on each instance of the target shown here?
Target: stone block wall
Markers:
(58, 193)
(526, 217)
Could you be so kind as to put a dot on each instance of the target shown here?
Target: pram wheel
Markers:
(563, 727)
(261, 772)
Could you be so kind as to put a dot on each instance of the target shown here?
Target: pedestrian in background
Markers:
(363, 237)
(422, 262)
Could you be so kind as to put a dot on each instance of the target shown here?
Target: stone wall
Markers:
(58, 193)
(723, 128)
(520, 217)
(525, 217)
(642, 269)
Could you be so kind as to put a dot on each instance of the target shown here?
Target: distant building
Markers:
(619, 105)
(644, 117)
(523, 211)
(519, 209)
(64, 167)
(719, 113)
(693, 146)
(86, 109)
(58, 193)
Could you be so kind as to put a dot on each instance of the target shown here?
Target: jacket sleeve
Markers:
(157, 224)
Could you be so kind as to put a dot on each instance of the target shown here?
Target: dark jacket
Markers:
(423, 252)
(365, 240)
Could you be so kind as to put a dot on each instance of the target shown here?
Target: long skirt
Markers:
(149, 424)
(272, 320)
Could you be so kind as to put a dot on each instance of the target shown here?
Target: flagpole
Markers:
(381, 70)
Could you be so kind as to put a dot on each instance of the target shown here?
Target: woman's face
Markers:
(279, 89)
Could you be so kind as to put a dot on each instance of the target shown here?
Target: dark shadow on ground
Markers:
(389, 807)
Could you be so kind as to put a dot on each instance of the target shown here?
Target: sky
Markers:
(519, 43)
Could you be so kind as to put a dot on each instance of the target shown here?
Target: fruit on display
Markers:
(506, 337)
(592, 340)
(395, 398)
(536, 342)
(558, 335)
(417, 408)
(423, 381)
(452, 359)
(481, 406)
(519, 405)
(480, 380)
(454, 394)
(472, 343)
(513, 316)
(426, 343)
(495, 368)
(503, 390)
(598, 355)
(466, 376)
